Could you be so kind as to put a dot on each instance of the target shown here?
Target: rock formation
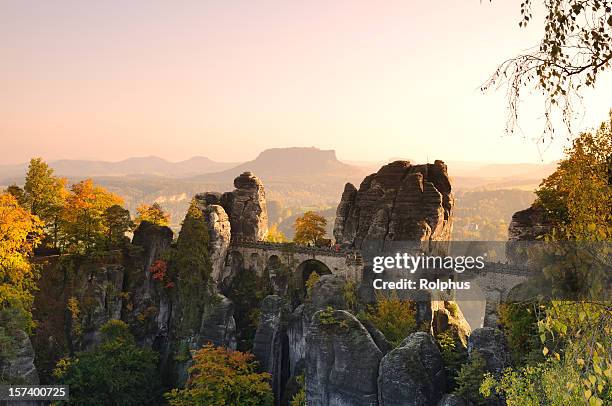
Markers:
(246, 208)
(528, 224)
(271, 344)
(19, 367)
(341, 361)
(219, 236)
(491, 344)
(218, 324)
(451, 400)
(401, 202)
(328, 291)
(412, 374)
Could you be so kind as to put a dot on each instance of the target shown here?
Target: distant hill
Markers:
(282, 164)
(151, 165)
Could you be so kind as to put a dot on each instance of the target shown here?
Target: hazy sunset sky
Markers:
(227, 79)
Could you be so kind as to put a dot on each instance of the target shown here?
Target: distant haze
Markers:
(109, 80)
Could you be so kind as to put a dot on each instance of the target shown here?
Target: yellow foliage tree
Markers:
(20, 232)
(275, 235)
(153, 213)
(309, 228)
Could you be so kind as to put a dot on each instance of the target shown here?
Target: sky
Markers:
(227, 79)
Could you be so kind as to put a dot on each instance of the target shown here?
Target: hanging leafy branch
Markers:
(575, 49)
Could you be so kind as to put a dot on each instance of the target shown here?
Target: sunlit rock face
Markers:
(400, 202)
(246, 208)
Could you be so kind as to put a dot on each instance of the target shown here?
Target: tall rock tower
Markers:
(400, 202)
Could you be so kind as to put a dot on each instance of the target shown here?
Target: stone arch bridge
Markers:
(495, 281)
(260, 256)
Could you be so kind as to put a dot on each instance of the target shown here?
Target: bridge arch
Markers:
(307, 267)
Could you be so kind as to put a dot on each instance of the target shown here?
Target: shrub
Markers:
(469, 379)
(453, 355)
(116, 372)
(394, 317)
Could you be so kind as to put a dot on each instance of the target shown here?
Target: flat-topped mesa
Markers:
(400, 202)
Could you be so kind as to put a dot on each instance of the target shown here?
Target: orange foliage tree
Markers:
(220, 376)
(83, 227)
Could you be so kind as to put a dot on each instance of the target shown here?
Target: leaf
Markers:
(545, 350)
(587, 394)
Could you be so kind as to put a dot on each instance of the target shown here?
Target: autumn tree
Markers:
(44, 195)
(82, 219)
(153, 213)
(577, 197)
(309, 228)
(20, 232)
(118, 222)
(275, 235)
(220, 376)
(18, 193)
(575, 50)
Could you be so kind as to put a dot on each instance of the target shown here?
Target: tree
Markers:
(575, 50)
(115, 373)
(82, 218)
(153, 214)
(44, 196)
(118, 222)
(275, 235)
(18, 193)
(309, 228)
(190, 263)
(220, 376)
(577, 197)
(20, 233)
(394, 317)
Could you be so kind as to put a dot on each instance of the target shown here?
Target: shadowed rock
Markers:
(341, 361)
(412, 374)
(491, 344)
(218, 324)
(451, 400)
(271, 345)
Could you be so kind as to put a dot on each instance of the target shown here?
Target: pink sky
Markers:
(227, 79)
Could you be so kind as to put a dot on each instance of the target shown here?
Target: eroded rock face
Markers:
(218, 324)
(412, 374)
(271, 344)
(219, 236)
(451, 400)
(153, 239)
(328, 291)
(401, 202)
(341, 361)
(19, 368)
(491, 344)
(528, 224)
(448, 318)
(246, 208)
